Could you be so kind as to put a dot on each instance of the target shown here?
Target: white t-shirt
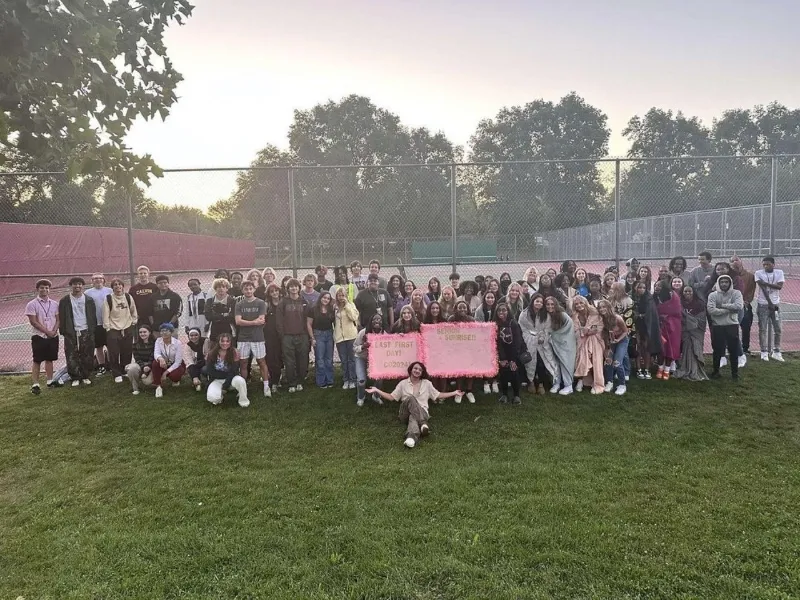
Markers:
(99, 297)
(426, 392)
(79, 312)
(775, 277)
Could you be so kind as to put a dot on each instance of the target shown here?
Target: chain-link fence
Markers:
(424, 219)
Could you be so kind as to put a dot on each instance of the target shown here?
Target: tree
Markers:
(76, 74)
(657, 186)
(541, 196)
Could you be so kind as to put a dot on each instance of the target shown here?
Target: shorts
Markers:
(257, 350)
(99, 336)
(44, 349)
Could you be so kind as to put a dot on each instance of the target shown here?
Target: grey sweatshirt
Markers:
(724, 307)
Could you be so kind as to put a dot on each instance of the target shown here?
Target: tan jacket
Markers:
(123, 313)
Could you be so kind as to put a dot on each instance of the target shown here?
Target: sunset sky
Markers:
(442, 64)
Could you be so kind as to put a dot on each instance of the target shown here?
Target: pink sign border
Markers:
(372, 369)
(491, 327)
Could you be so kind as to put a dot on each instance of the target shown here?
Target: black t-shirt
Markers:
(321, 321)
(324, 286)
(371, 303)
(166, 308)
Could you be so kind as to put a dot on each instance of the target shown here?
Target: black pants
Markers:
(509, 378)
(120, 349)
(726, 337)
(747, 324)
(542, 374)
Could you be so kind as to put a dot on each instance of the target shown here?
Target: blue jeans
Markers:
(361, 375)
(323, 357)
(345, 350)
(617, 366)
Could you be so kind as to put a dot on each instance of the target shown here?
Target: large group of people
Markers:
(562, 331)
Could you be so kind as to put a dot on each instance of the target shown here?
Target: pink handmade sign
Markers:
(391, 353)
(460, 349)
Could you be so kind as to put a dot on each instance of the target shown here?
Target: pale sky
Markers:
(446, 64)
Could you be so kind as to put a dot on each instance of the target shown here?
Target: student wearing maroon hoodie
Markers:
(291, 325)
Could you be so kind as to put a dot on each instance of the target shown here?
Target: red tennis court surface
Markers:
(15, 332)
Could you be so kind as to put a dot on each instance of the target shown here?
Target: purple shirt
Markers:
(44, 310)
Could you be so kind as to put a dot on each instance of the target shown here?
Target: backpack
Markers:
(110, 302)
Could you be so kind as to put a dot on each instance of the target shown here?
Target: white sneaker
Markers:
(198, 387)
(299, 387)
(742, 361)
(86, 381)
(244, 402)
(159, 392)
(673, 367)
(579, 386)
(777, 356)
(353, 385)
(554, 389)
(565, 391)
(118, 379)
(495, 388)
(292, 390)
(621, 389)
(723, 362)
(267, 391)
(424, 430)
(176, 384)
(765, 356)
(76, 383)
(486, 389)
(471, 397)
(627, 377)
(359, 403)
(595, 391)
(609, 386)
(410, 443)
(457, 399)
(376, 398)
(346, 385)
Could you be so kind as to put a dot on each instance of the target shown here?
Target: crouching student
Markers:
(414, 393)
(222, 368)
(139, 371)
(168, 355)
(194, 357)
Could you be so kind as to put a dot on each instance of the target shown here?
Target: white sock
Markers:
(266, 385)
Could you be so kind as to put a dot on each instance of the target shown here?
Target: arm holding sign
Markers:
(390, 397)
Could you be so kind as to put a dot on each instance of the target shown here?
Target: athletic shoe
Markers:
(457, 399)
(424, 430)
(765, 356)
(244, 403)
(627, 377)
(647, 374)
(666, 376)
(176, 384)
(503, 399)
(595, 391)
(135, 392)
(777, 356)
(274, 389)
(495, 388)
(540, 389)
(353, 385)
(86, 381)
(409, 443)
(292, 390)
(299, 387)
(377, 399)
(723, 362)
(743, 361)
(621, 389)
(159, 392)
(579, 385)
(35, 389)
(198, 387)
(75, 383)
(54, 384)
(555, 388)
(486, 389)
(609, 386)
(516, 401)
(346, 385)
(359, 402)
(640, 374)
(565, 391)
(471, 397)
(660, 373)
(267, 391)
(101, 370)
(118, 379)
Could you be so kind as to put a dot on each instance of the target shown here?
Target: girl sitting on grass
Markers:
(222, 367)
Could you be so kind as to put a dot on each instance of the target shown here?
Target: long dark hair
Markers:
(424, 370)
(317, 310)
(399, 288)
(270, 287)
(533, 313)
(230, 354)
(429, 317)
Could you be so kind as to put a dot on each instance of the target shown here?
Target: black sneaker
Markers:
(516, 400)
(101, 371)
(35, 389)
(54, 384)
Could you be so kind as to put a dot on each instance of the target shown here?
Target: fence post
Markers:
(616, 213)
(453, 201)
(292, 222)
(131, 262)
(773, 200)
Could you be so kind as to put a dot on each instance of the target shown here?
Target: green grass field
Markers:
(676, 490)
